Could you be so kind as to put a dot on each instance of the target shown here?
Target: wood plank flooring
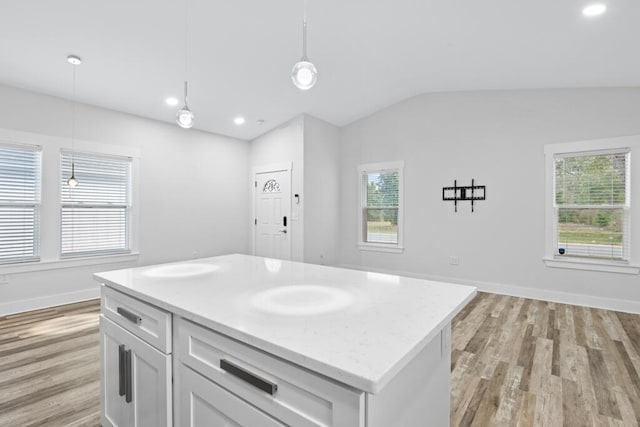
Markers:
(515, 362)
(49, 367)
(522, 362)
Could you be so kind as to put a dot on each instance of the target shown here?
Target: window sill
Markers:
(380, 248)
(591, 265)
(68, 263)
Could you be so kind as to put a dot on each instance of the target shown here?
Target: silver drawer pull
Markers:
(252, 379)
(121, 374)
(128, 380)
(132, 317)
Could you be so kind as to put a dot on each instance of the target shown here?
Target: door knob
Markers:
(284, 231)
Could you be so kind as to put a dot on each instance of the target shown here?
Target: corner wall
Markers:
(321, 191)
(497, 138)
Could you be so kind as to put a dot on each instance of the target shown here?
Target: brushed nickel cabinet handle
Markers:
(249, 377)
(132, 317)
(128, 379)
(121, 375)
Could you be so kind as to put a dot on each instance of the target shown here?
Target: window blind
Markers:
(592, 205)
(380, 206)
(95, 214)
(19, 203)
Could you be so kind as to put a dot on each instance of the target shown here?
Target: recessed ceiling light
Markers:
(74, 60)
(171, 101)
(594, 9)
(239, 120)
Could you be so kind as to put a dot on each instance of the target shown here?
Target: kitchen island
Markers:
(243, 340)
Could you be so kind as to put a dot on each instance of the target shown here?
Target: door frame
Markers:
(277, 167)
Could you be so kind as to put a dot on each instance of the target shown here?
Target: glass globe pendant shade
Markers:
(184, 118)
(304, 74)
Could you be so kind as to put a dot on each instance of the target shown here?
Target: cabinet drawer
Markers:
(145, 321)
(288, 392)
(205, 404)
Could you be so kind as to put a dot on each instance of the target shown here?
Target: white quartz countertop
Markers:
(355, 327)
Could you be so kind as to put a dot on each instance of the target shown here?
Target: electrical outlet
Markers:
(454, 260)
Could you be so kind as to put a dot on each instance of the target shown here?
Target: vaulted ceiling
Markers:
(369, 54)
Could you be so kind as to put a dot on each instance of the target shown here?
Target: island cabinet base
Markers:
(219, 381)
(231, 341)
(420, 394)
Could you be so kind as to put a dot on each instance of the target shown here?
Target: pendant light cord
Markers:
(73, 117)
(304, 31)
(304, 40)
(186, 37)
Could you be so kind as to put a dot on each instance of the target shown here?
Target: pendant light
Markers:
(304, 73)
(184, 116)
(73, 181)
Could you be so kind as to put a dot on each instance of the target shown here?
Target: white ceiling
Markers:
(369, 54)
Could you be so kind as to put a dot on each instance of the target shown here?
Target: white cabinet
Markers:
(204, 403)
(215, 370)
(143, 320)
(157, 368)
(289, 394)
(115, 410)
(136, 380)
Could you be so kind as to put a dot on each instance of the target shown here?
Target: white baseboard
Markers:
(520, 291)
(20, 306)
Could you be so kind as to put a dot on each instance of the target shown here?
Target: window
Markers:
(19, 203)
(380, 219)
(589, 208)
(95, 215)
(591, 205)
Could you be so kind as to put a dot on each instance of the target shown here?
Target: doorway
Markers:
(272, 212)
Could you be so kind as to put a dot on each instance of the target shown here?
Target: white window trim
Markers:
(50, 258)
(381, 247)
(595, 146)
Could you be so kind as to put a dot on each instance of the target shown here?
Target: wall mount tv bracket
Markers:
(470, 192)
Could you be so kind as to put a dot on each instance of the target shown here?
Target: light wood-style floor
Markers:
(521, 362)
(49, 367)
(515, 362)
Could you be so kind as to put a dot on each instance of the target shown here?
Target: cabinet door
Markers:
(115, 411)
(204, 403)
(148, 380)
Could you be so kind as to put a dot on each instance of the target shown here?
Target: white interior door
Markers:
(273, 214)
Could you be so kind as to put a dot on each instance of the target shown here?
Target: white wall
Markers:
(284, 144)
(321, 191)
(192, 187)
(496, 138)
(195, 187)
